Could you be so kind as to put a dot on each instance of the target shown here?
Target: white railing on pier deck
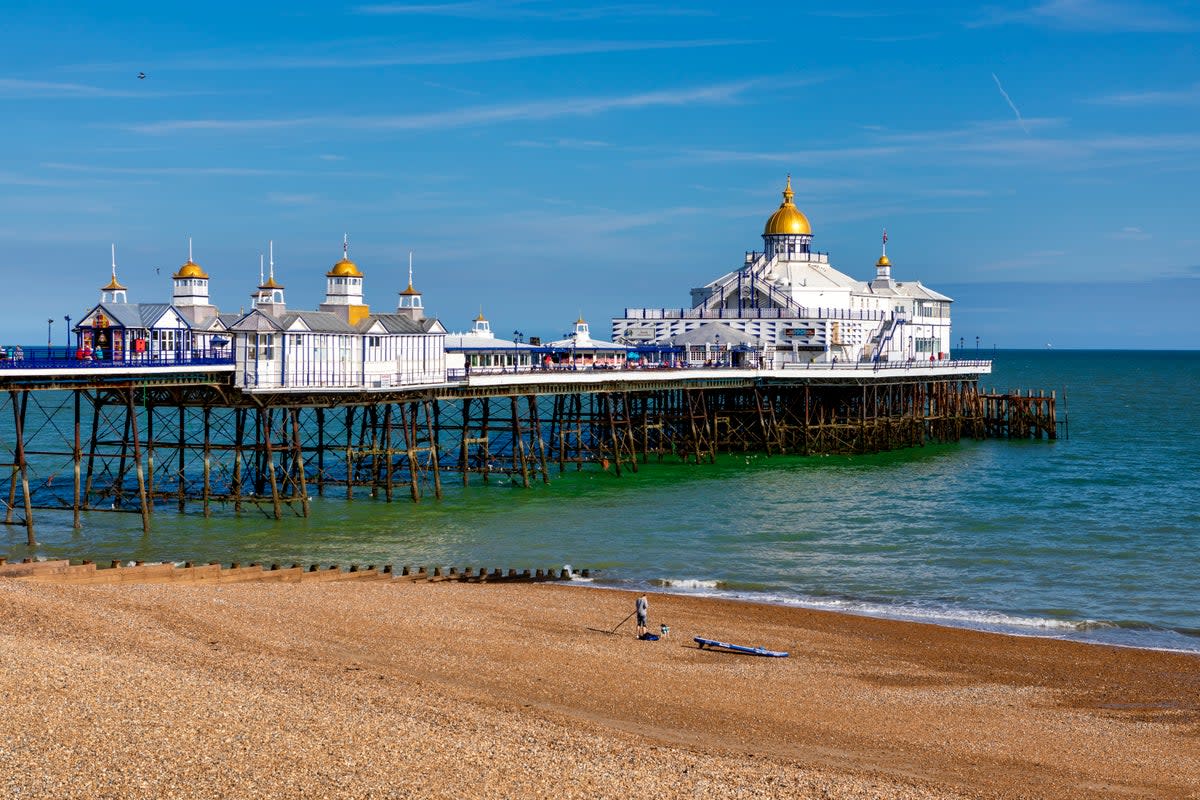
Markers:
(756, 313)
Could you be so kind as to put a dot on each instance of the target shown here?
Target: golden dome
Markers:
(787, 219)
(410, 291)
(112, 285)
(344, 269)
(190, 269)
(883, 261)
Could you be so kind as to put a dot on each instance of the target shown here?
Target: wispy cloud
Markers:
(1011, 104)
(723, 93)
(1037, 259)
(530, 9)
(479, 52)
(210, 171)
(102, 170)
(286, 199)
(1176, 97)
(16, 87)
(1094, 16)
(1130, 233)
(563, 144)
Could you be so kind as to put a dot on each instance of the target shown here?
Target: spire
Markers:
(190, 261)
(261, 279)
(271, 248)
(113, 291)
(883, 267)
(788, 194)
(345, 247)
(410, 304)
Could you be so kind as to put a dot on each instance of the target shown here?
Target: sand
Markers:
(390, 689)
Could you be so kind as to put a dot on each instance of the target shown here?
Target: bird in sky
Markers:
(141, 76)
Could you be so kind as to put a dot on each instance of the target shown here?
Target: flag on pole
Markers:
(885, 235)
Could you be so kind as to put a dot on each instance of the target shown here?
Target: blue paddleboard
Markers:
(739, 648)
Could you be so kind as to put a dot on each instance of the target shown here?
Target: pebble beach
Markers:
(413, 689)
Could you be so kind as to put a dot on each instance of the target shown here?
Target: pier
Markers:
(147, 438)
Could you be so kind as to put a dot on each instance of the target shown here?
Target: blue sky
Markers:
(1035, 161)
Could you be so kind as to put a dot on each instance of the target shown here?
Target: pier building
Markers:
(787, 305)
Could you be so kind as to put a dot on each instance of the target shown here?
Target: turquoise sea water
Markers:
(1094, 537)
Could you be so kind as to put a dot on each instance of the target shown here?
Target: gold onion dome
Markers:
(787, 219)
(345, 268)
(883, 261)
(190, 269)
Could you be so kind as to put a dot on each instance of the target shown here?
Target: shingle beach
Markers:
(403, 689)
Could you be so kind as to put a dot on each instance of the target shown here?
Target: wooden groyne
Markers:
(88, 572)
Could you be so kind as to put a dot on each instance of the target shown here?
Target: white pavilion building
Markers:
(788, 305)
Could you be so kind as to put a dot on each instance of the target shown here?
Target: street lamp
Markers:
(49, 331)
(67, 319)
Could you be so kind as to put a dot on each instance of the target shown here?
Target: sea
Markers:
(1093, 537)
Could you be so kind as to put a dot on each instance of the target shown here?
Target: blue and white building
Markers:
(796, 308)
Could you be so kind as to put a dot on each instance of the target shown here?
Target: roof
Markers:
(585, 344)
(467, 341)
(707, 334)
(316, 321)
(138, 315)
(402, 323)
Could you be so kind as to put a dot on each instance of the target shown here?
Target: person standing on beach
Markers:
(642, 607)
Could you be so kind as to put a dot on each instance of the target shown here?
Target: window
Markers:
(261, 346)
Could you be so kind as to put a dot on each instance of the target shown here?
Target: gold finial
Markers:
(481, 318)
(788, 194)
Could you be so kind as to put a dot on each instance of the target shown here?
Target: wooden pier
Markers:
(191, 442)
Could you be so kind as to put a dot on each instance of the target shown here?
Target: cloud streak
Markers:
(715, 94)
(16, 87)
(1177, 97)
(1095, 16)
(1011, 104)
(560, 11)
(473, 53)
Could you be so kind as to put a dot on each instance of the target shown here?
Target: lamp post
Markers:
(49, 333)
(67, 333)
(976, 347)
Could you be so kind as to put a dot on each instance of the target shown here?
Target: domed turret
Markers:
(190, 290)
(883, 267)
(113, 291)
(410, 304)
(344, 288)
(787, 232)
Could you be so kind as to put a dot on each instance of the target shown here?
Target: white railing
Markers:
(757, 313)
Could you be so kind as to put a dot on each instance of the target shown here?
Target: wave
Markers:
(688, 583)
(1127, 633)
